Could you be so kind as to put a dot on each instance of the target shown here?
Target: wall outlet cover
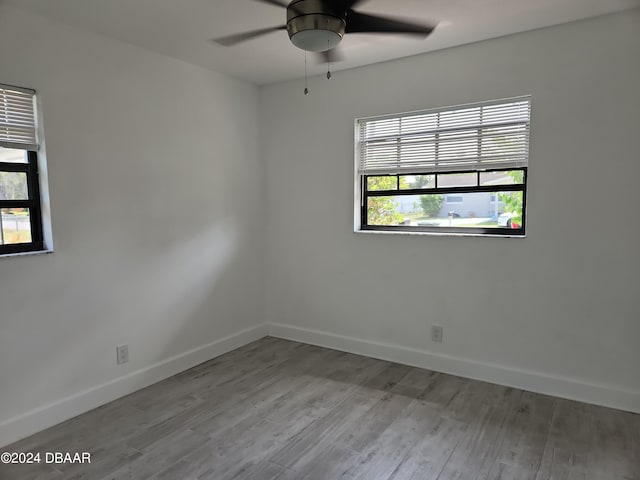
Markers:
(122, 354)
(436, 334)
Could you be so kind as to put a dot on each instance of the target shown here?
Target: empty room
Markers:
(319, 240)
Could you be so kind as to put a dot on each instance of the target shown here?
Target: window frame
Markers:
(484, 231)
(33, 203)
(473, 138)
(21, 131)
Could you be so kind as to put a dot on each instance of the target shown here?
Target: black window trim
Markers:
(33, 204)
(487, 231)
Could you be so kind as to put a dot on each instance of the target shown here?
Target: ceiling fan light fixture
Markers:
(316, 32)
(319, 25)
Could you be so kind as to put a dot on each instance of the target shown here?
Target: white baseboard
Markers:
(557, 386)
(46, 416)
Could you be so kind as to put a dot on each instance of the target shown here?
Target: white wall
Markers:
(156, 193)
(556, 312)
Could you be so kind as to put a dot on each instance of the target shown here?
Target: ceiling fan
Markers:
(319, 25)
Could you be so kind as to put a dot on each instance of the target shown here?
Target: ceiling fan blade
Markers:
(230, 40)
(330, 56)
(349, 4)
(365, 23)
(277, 3)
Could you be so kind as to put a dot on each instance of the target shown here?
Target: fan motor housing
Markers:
(314, 26)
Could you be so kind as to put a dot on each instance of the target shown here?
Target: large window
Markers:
(442, 170)
(20, 209)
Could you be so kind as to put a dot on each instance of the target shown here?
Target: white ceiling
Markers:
(182, 28)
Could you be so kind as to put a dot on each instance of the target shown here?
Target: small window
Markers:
(451, 170)
(20, 206)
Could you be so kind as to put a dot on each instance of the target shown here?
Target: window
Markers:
(20, 209)
(441, 170)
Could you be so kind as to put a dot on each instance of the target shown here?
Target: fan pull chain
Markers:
(328, 54)
(306, 90)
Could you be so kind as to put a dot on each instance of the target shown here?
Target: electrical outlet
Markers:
(436, 334)
(122, 354)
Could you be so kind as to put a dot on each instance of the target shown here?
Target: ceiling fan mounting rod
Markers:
(314, 26)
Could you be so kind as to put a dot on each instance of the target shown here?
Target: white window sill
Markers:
(435, 234)
(24, 254)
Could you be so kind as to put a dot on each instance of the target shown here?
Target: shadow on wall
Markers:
(179, 285)
(163, 300)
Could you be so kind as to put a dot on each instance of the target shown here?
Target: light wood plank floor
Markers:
(282, 410)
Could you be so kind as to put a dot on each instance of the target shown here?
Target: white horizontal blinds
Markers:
(17, 118)
(472, 137)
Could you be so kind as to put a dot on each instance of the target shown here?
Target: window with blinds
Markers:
(438, 170)
(17, 118)
(21, 228)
